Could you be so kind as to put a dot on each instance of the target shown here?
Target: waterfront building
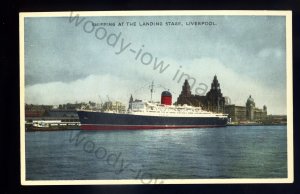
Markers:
(215, 102)
(32, 110)
(246, 113)
(236, 113)
(114, 106)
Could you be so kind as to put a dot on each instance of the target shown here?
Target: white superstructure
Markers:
(157, 109)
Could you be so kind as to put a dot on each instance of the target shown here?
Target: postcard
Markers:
(156, 97)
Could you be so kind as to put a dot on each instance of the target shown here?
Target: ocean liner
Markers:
(151, 115)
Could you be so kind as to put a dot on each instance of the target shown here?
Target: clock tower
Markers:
(215, 99)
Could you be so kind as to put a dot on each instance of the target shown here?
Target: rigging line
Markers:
(166, 89)
(141, 88)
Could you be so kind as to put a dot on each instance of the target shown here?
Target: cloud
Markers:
(81, 90)
(65, 64)
(234, 85)
(238, 86)
(270, 52)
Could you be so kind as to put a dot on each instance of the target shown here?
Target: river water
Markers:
(229, 152)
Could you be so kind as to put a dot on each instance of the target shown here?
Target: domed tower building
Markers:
(250, 108)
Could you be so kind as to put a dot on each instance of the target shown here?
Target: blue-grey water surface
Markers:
(229, 152)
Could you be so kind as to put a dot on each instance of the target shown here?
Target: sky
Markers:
(72, 62)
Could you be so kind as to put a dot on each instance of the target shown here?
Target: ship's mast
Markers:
(101, 102)
(151, 89)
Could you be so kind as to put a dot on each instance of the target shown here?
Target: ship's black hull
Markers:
(113, 121)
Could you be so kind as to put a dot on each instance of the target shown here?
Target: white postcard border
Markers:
(290, 151)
